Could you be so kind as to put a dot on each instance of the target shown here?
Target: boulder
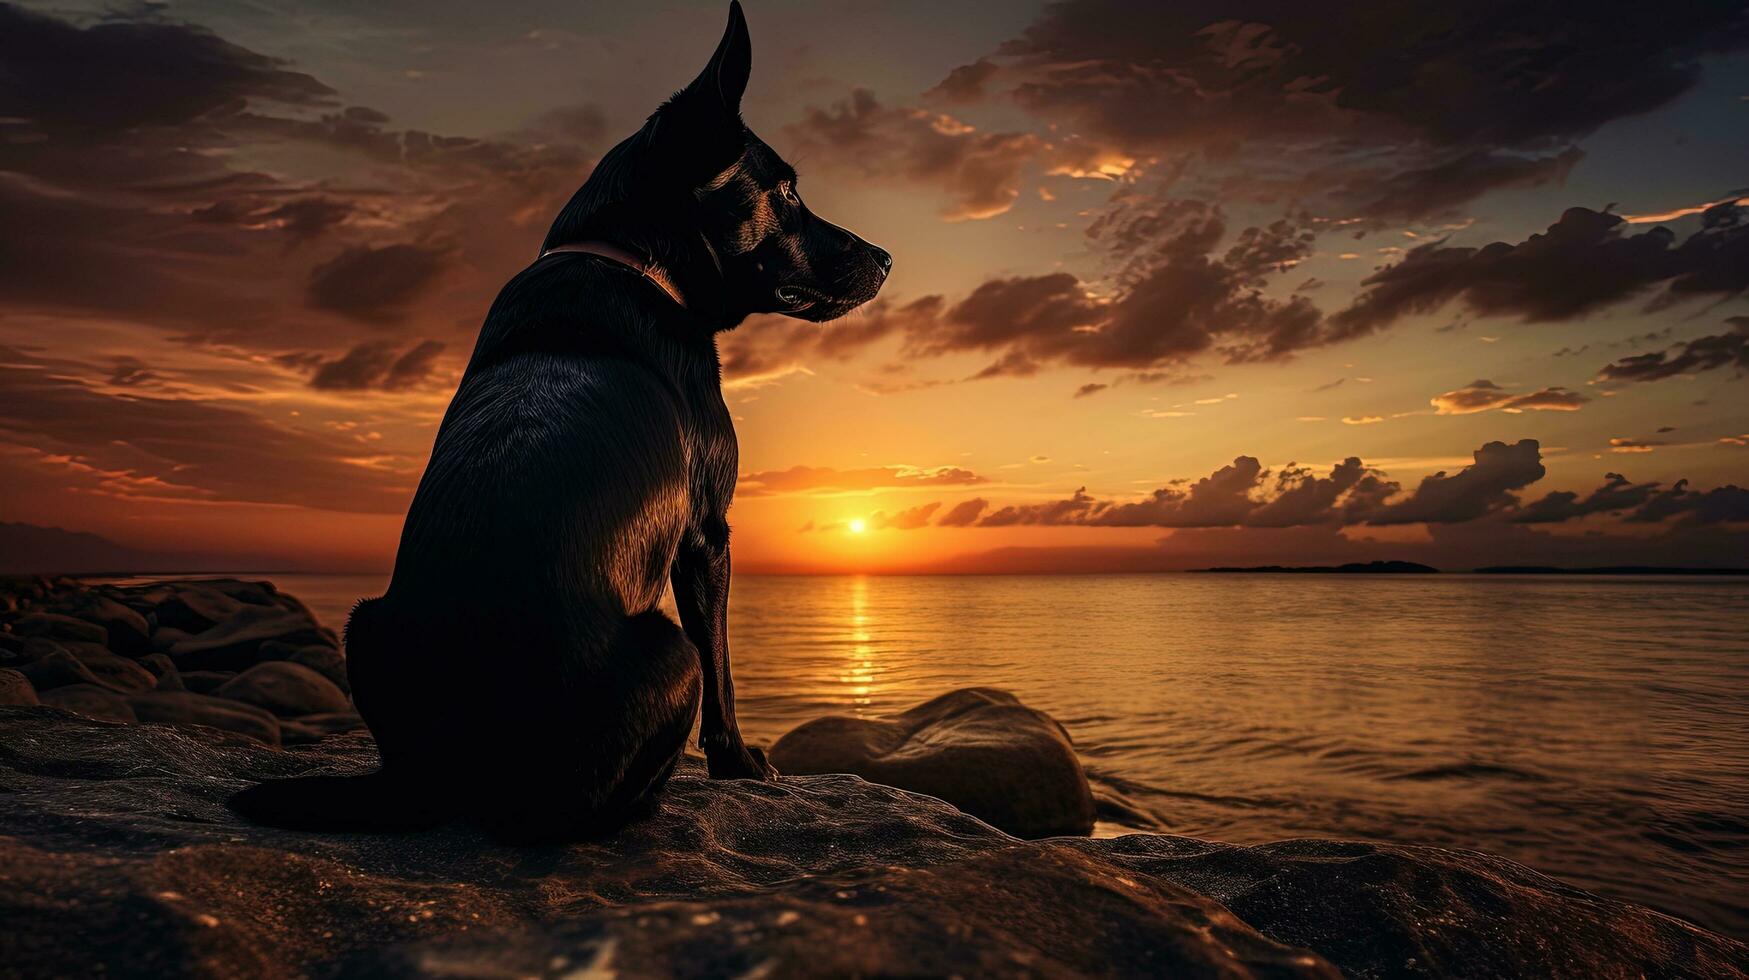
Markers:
(187, 708)
(322, 659)
(163, 668)
(204, 681)
(193, 609)
(118, 857)
(56, 626)
(978, 748)
(128, 631)
(15, 688)
(57, 669)
(286, 689)
(92, 701)
(110, 670)
(235, 643)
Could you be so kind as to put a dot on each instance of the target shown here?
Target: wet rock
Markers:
(187, 708)
(56, 626)
(57, 669)
(16, 689)
(92, 701)
(978, 748)
(324, 660)
(118, 857)
(286, 689)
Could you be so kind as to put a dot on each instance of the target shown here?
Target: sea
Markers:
(1595, 728)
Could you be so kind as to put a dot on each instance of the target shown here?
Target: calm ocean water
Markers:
(1593, 728)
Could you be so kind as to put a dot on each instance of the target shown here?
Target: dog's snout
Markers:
(882, 257)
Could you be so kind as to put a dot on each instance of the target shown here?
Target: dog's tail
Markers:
(371, 802)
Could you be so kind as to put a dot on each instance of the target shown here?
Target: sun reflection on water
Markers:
(859, 675)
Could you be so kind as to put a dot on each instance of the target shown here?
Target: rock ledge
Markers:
(117, 856)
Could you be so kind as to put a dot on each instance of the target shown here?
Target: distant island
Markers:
(1352, 568)
(1607, 570)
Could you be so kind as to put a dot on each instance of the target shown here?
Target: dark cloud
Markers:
(1446, 186)
(1583, 263)
(140, 447)
(1243, 495)
(909, 519)
(1483, 396)
(1729, 349)
(768, 346)
(1484, 487)
(301, 220)
(1617, 494)
(376, 284)
(1090, 388)
(122, 191)
(1438, 104)
(121, 74)
(965, 83)
(979, 171)
(1716, 506)
(377, 364)
(1180, 295)
(809, 479)
(963, 514)
(130, 371)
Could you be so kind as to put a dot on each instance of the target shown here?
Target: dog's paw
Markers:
(741, 762)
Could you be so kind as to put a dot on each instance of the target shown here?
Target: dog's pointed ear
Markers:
(724, 78)
(698, 133)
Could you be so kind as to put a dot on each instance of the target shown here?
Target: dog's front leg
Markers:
(701, 591)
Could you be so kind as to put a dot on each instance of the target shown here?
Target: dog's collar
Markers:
(631, 260)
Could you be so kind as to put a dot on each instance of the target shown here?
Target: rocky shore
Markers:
(118, 857)
(238, 656)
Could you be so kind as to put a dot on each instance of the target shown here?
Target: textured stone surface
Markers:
(117, 856)
(978, 748)
(287, 689)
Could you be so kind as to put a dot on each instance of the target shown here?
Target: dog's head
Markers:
(697, 161)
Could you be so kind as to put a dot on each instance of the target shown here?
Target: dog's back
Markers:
(519, 642)
(517, 668)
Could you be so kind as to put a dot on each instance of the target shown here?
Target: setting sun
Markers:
(858, 525)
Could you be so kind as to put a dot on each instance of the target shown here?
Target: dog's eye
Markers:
(788, 190)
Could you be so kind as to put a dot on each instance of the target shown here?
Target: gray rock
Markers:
(188, 708)
(286, 689)
(92, 701)
(978, 748)
(16, 689)
(814, 875)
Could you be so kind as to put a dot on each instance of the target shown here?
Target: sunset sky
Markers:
(1175, 284)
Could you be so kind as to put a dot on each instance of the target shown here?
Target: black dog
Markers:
(518, 671)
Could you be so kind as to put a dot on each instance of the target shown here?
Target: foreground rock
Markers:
(154, 653)
(117, 857)
(978, 748)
